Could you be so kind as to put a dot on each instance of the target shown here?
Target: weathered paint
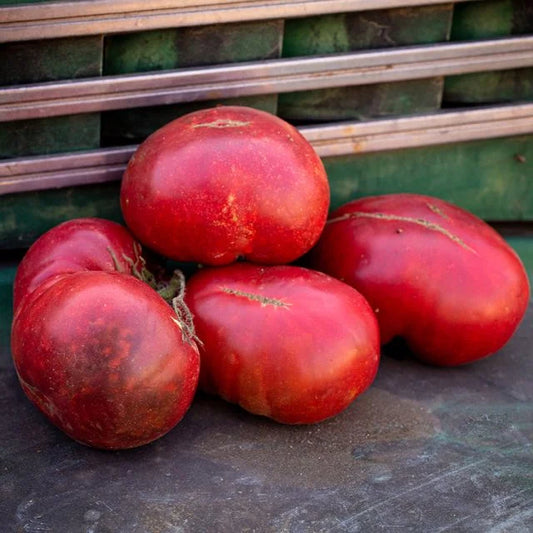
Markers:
(346, 32)
(182, 48)
(490, 19)
(49, 135)
(42, 61)
(25, 216)
(490, 178)
(134, 125)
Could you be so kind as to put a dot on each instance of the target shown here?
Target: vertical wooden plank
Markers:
(182, 48)
(364, 30)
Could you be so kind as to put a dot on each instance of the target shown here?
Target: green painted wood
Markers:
(485, 20)
(50, 60)
(8, 267)
(42, 61)
(348, 32)
(192, 47)
(491, 19)
(328, 34)
(489, 87)
(182, 48)
(493, 178)
(50, 135)
(362, 102)
(132, 126)
(25, 216)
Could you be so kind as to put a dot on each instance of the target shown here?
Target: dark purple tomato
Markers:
(103, 357)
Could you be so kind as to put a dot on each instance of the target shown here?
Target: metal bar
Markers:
(261, 77)
(91, 17)
(35, 173)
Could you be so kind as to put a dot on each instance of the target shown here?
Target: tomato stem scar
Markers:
(222, 123)
(185, 318)
(114, 258)
(172, 291)
(437, 210)
(264, 300)
(432, 226)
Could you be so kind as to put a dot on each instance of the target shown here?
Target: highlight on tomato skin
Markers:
(435, 274)
(226, 183)
(103, 358)
(79, 244)
(284, 342)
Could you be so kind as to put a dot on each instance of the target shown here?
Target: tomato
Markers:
(225, 183)
(101, 355)
(283, 341)
(435, 274)
(73, 246)
(98, 351)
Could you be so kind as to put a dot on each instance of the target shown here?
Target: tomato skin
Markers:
(73, 246)
(283, 341)
(435, 274)
(225, 183)
(101, 355)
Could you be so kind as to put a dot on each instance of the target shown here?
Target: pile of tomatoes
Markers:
(112, 348)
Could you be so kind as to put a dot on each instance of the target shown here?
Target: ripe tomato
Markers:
(435, 274)
(225, 183)
(76, 245)
(289, 343)
(101, 355)
(98, 351)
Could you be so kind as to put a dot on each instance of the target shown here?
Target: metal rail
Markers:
(94, 17)
(97, 166)
(261, 77)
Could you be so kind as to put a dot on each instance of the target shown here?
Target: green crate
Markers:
(488, 20)
(132, 126)
(25, 216)
(491, 178)
(44, 61)
(349, 32)
(183, 48)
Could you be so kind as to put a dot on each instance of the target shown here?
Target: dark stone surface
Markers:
(424, 449)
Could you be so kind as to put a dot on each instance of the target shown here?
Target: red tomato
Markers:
(224, 183)
(101, 355)
(98, 351)
(435, 275)
(289, 343)
(76, 245)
